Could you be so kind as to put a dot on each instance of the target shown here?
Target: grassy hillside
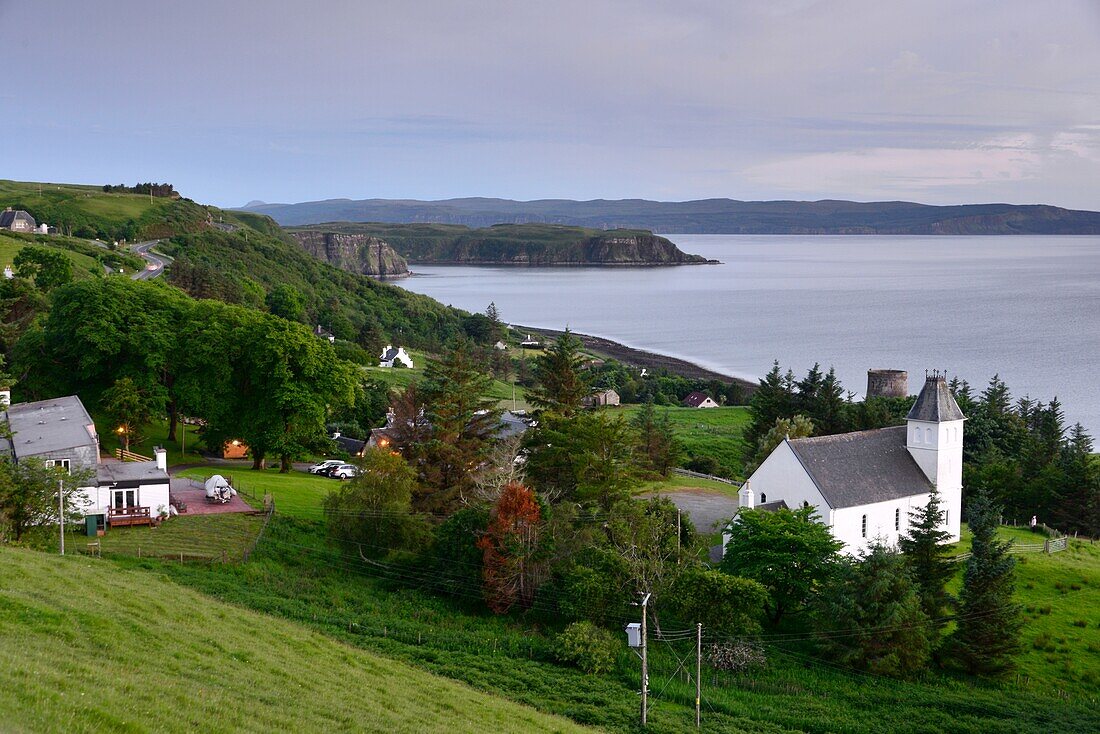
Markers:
(712, 432)
(87, 646)
(88, 259)
(519, 244)
(87, 211)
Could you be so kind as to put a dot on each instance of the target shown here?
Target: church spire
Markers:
(935, 404)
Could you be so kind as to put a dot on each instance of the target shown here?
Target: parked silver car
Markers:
(344, 471)
(322, 466)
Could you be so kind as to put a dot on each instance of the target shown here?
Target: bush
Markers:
(704, 465)
(738, 656)
(588, 647)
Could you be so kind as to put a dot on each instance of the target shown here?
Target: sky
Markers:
(934, 101)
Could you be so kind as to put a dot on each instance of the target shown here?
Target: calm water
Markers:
(1027, 308)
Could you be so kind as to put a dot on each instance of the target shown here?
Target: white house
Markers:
(392, 356)
(699, 400)
(61, 433)
(864, 484)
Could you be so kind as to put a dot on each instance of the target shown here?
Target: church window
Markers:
(805, 503)
(763, 498)
(947, 517)
(897, 519)
(864, 529)
(928, 435)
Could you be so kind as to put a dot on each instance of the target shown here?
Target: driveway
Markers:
(708, 510)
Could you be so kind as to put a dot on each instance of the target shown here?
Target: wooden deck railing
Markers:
(121, 516)
(124, 455)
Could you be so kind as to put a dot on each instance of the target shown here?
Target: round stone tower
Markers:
(887, 384)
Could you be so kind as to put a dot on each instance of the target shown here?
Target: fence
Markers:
(700, 475)
(124, 455)
(1048, 546)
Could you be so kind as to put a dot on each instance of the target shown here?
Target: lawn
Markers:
(296, 494)
(218, 537)
(83, 266)
(153, 435)
(714, 432)
(88, 646)
(678, 482)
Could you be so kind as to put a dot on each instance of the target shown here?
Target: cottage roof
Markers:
(695, 399)
(390, 353)
(935, 403)
(353, 446)
(861, 468)
(9, 216)
(511, 425)
(772, 506)
(130, 471)
(50, 425)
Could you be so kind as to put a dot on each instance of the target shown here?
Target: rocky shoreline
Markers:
(641, 357)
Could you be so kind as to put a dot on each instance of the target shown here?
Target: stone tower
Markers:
(934, 437)
(887, 384)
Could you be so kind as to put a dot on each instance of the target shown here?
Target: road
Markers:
(155, 267)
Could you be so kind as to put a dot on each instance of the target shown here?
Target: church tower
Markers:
(934, 437)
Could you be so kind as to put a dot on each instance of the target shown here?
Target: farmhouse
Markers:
(17, 220)
(604, 397)
(61, 433)
(864, 484)
(699, 400)
(394, 357)
(322, 333)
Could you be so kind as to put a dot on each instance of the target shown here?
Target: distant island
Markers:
(704, 216)
(358, 246)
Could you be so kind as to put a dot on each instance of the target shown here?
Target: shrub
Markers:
(1080, 623)
(737, 656)
(588, 647)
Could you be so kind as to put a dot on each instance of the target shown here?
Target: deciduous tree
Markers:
(513, 565)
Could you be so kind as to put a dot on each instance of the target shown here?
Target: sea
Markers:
(1021, 307)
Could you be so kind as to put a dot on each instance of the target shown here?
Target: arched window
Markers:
(864, 530)
(897, 519)
(928, 435)
(763, 498)
(805, 503)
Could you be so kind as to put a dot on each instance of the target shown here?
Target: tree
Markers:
(48, 268)
(286, 301)
(455, 558)
(28, 495)
(797, 427)
(987, 635)
(773, 398)
(513, 564)
(561, 385)
(462, 423)
(658, 448)
(871, 618)
(129, 410)
(493, 313)
(788, 551)
(724, 604)
(928, 561)
(373, 512)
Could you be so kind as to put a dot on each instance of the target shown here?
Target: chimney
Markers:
(746, 498)
(162, 458)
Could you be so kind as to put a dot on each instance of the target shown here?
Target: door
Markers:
(123, 498)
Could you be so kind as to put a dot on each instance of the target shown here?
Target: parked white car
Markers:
(344, 471)
(328, 463)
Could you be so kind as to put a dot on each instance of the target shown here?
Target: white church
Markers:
(864, 484)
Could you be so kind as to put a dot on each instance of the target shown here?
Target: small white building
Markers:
(864, 484)
(699, 400)
(603, 397)
(500, 346)
(394, 356)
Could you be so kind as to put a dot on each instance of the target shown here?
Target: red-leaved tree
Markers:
(512, 564)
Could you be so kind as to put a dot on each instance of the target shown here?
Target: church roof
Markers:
(935, 404)
(861, 468)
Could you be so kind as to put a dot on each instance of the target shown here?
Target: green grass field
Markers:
(83, 266)
(87, 646)
(402, 377)
(216, 537)
(296, 494)
(712, 432)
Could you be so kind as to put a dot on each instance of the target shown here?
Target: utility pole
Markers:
(677, 529)
(61, 511)
(645, 662)
(698, 669)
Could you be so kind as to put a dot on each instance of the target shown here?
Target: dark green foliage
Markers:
(287, 302)
(869, 616)
(660, 386)
(28, 495)
(596, 587)
(724, 604)
(455, 559)
(788, 551)
(561, 383)
(658, 448)
(130, 409)
(797, 427)
(222, 265)
(987, 635)
(47, 267)
(372, 513)
(588, 647)
(926, 555)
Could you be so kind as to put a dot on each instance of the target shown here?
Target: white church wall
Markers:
(782, 477)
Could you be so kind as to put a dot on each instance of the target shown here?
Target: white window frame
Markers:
(65, 463)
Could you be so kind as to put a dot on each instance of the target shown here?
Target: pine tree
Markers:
(927, 558)
(562, 384)
(658, 448)
(773, 399)
(988, 632)
(493, 313)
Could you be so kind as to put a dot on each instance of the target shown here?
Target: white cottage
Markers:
(864, 484)
(394, 356)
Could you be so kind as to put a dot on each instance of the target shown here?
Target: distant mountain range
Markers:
(704, 216)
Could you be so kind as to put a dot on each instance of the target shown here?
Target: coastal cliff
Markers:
(356, 253)
(531, 245)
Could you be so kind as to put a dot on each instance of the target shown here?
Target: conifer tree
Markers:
(927, 559)
(774, 398)
(988, 632)
(562, 384)
(658, 447)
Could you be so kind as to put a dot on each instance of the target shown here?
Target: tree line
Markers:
(162, 190)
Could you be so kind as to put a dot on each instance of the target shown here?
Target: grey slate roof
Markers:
(145, 472)
(353, 446)
(935, 403)
(390, 354)
(50, 425)
(511, 425)
(9, 217)
(772, 506)
(860, 468)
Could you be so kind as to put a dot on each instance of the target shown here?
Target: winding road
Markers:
(155, 267)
